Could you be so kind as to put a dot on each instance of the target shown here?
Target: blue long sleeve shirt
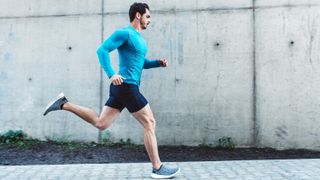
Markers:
(132, 49)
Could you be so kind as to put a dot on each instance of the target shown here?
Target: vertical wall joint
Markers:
(254, 82)
(101, 71)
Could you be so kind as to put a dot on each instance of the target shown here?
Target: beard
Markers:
(143, 25)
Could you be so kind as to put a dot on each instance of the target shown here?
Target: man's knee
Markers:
(101, 126)
(150, 124)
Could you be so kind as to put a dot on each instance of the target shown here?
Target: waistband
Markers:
(126, 85)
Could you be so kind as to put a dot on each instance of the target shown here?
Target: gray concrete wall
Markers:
(244, 69)
(287, 72)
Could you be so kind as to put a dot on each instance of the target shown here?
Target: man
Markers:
(124, 89)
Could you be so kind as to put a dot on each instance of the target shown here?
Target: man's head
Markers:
(140, 12)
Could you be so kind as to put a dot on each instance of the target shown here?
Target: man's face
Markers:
(145, 19)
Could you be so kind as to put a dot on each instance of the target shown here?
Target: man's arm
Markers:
(150, 63)
(154, 63)
(112, 43)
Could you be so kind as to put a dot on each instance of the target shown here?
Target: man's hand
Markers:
(163, 62)
(117, 79)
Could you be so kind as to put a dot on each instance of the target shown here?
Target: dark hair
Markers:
(137, 7)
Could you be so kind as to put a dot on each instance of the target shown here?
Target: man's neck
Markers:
(136, 26)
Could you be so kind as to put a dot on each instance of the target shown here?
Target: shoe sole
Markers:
(155, 176)
(61, 95)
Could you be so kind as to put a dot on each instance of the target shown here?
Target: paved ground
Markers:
(246, 170)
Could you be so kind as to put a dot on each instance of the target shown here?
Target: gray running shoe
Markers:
(56, 104)
(164, 172)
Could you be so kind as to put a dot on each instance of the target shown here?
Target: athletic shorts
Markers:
(126, 96)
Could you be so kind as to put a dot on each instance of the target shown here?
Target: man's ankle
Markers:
(157, 166)
(61, 107)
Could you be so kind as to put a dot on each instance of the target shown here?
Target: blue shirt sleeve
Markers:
(112, 43)
(150, 63)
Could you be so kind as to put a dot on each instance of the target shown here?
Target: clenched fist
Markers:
(163, 62)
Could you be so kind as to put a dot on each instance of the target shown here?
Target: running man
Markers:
(124, 89)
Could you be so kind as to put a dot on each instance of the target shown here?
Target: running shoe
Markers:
(164, 172)
(56, 104)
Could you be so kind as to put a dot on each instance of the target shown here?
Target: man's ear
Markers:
(138, 15)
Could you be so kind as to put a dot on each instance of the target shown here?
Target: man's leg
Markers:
(145, 117)
(101, 122)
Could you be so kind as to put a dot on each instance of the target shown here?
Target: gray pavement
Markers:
(235, 170)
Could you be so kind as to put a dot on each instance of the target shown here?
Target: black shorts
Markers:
(126, 96)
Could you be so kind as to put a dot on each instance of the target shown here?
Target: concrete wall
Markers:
(245, 69)
(287, 74)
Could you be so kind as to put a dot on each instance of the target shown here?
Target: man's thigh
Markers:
(108, 114)
(144, 115)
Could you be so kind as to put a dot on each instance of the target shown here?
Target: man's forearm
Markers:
(104, 59)
(151, 64)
